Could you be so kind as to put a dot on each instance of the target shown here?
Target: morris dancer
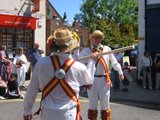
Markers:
(100, 89)
(59, 77)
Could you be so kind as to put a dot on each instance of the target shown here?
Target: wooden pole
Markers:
(109, 52)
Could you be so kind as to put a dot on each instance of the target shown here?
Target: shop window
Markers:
(14, 38)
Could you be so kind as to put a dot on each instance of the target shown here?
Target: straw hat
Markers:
(97, 33)
(63, 40)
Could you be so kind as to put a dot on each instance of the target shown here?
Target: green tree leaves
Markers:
(117, 19)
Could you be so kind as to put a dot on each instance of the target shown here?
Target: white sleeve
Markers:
(91, 69)
(32, 92)
(24, 59)
(85, 74)
(84, 52)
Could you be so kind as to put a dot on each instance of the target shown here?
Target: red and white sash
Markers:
(63, 82)
(105, 67)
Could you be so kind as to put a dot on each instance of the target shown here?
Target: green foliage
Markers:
(117, 19)
(107, 27)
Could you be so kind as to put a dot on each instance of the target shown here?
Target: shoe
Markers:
(2, 98)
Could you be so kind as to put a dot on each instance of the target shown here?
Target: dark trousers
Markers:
(115, 80)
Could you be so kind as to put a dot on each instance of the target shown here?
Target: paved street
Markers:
(137, 104)
(12, 110)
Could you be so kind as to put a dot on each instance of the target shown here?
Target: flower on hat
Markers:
(75, 36)
(50, 41)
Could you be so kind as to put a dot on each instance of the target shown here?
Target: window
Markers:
(13, 38)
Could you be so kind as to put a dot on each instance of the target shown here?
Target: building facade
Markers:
(22, 23)
(149, 28)
(25, 22)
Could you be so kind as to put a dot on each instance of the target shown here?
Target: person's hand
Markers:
(88, 86)
(121, 77)
(94, 56)
(27, 117)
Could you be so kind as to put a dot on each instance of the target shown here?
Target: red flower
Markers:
(49, 43)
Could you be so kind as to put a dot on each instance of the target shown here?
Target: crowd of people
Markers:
(13, 71)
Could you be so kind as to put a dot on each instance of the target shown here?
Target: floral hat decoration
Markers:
(63, 40)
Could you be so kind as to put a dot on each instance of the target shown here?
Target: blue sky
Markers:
(71, 7)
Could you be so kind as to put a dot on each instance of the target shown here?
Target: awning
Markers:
(17, 21)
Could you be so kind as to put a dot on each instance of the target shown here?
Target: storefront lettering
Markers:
(17, 23)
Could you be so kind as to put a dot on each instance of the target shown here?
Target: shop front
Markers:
(16, 31)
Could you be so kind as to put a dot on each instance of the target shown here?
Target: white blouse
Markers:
(22, 58)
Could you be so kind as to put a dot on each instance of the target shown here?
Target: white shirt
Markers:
(76, 76)
(18, 58)
(108, 58)
(146, 61)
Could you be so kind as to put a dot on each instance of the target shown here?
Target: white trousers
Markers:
(99, 91)
(50, 114)
(21, 75)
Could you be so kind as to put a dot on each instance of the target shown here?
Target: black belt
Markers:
(99, 75)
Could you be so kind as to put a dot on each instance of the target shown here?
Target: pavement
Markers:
(136, 94)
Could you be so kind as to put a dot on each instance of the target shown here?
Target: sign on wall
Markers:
(17, 21)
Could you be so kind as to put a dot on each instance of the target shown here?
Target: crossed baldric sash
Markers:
(59, 78)
(104, 64)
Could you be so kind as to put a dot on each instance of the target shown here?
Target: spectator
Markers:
(157, 69)
(13, 89)
(127, 77)
(146, 63)
(116, 81)
(3, 87)
(34, 55)
(19, 62)
(3, 48)
(4, 71)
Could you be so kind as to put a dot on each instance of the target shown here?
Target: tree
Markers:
(64, 16)
(121, 13)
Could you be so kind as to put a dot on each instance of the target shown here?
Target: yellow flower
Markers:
(75, 36)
